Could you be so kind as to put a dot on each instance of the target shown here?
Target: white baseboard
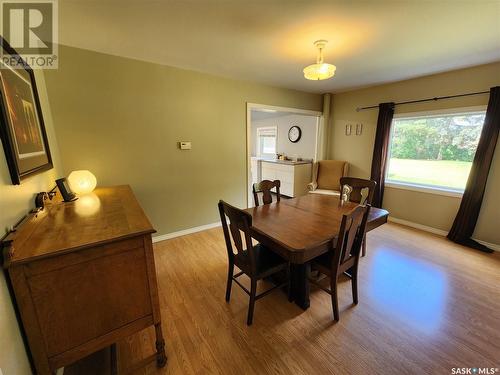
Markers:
(163, 237)
(425, 228)
(492, 246)
(439, 232)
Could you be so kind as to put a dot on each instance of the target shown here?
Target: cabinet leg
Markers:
(114, 360)
(161, 357)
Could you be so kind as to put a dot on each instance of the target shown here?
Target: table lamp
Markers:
(82, 182)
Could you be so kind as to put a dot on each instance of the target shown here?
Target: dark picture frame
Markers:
(22, 128)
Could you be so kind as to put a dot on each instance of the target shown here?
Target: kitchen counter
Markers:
(293, 175)
(287, 162)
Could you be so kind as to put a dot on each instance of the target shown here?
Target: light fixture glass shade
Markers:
(317, 72)
(82, 182)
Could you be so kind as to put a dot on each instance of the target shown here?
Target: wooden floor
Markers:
(426, 306)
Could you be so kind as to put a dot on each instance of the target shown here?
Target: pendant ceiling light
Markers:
(320, 70)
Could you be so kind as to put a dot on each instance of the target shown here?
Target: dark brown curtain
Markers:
(465, 222)
(381, 149)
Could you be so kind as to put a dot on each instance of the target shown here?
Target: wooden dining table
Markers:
(302, 228)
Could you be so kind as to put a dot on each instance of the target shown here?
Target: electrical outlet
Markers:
(183, 145)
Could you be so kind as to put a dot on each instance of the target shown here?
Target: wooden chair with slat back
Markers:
(362, 193)
(344, 255)
(265, 187)
(255, 261)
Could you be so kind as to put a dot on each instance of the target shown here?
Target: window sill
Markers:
(425, 189)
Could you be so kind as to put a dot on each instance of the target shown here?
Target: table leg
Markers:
(300, 284)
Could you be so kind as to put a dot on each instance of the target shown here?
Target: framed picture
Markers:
(22, 128)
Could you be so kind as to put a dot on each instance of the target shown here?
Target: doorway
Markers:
(282, 140)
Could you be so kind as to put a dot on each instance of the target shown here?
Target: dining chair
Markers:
(255, 261)
(265, 187)
(343, 257)
(362, 193)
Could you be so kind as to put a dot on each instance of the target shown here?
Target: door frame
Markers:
(319, 149)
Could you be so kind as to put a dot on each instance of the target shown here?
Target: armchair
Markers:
(326, 176)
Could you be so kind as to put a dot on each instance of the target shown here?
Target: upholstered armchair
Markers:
(326, 176)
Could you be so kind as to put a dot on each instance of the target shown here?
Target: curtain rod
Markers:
(428, 99)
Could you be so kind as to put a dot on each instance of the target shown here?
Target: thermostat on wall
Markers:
(185, 145)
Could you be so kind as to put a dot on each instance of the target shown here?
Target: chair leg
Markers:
(335, 301)
(251, 305)
(354, 284)
(363, 251)
(229, 281)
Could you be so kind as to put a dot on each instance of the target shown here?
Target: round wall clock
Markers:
(294, 134)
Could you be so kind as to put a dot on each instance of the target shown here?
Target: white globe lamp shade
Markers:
(82, 182)
(318, 72)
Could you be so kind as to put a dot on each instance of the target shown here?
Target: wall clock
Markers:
(294, 134)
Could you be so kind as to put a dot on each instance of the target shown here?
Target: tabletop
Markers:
(301, 228)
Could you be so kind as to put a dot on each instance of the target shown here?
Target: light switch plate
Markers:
(183, 145)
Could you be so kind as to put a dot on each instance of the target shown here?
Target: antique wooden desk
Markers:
(302, 228)
(83, 276)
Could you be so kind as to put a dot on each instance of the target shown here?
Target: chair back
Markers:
(362, 190)
(265, 187)
(239, 222)
(352, 231)
(327, 173)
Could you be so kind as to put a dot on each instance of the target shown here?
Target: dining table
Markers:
(302, 228)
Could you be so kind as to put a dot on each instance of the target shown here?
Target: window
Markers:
(434, 152)
(266, 141)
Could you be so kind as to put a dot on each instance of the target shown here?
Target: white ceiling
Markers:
(271, 41)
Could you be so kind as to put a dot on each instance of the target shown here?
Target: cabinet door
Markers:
(286, 189)
(268, 172)
(285, 176)
(81, 302)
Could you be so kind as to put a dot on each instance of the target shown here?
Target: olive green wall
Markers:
(122, 118)
(436, 211)
(15, 202)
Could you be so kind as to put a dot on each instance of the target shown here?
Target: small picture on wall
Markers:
(21, 124)
(348, 129)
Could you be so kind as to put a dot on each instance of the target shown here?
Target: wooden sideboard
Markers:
(83, 277)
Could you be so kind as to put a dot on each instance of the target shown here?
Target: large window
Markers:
(266, 141)
(434, 151)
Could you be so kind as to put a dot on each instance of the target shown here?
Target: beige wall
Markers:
(122, 119)
(15, 202)
(428, 209)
